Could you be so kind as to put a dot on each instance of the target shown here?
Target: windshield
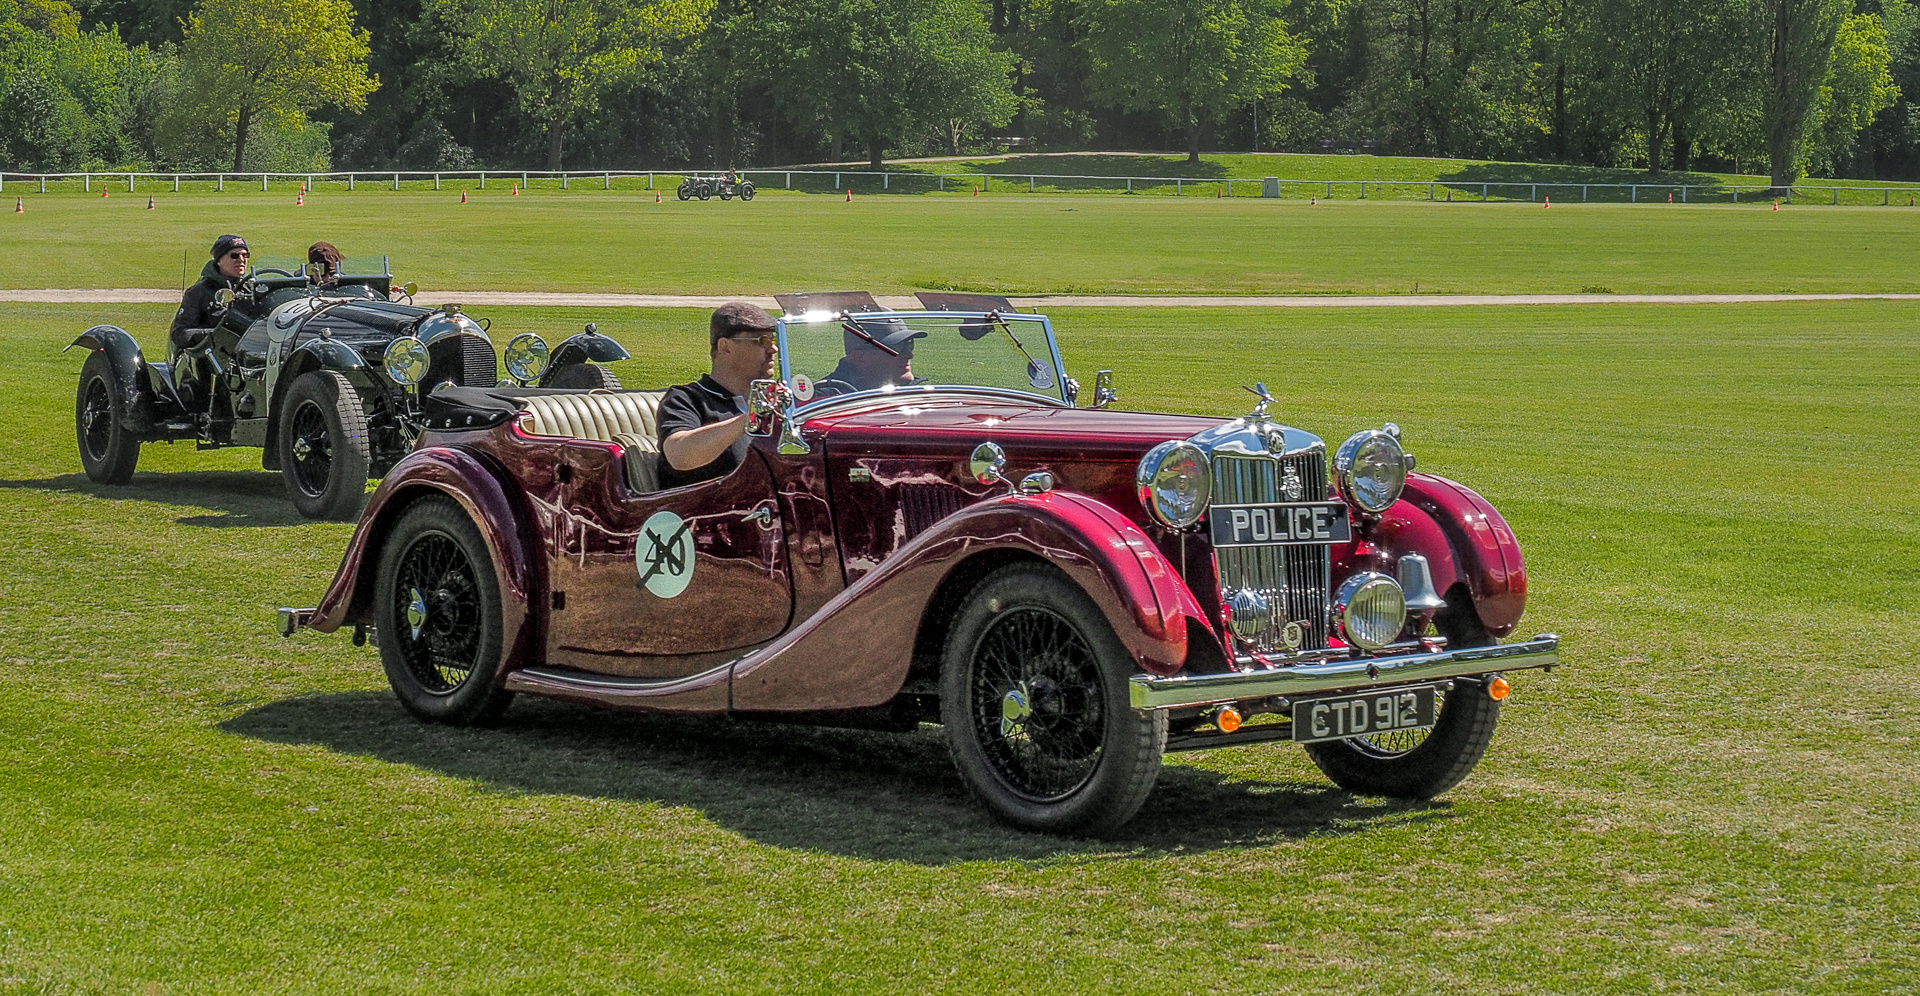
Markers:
(294, 266)
(825, 356)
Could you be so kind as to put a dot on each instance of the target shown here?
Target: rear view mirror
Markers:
(766, 399)
(223, 297)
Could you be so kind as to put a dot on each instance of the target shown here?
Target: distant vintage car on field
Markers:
(1070, 590)
(705, 187)
(307, 372)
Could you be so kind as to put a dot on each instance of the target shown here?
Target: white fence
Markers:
(886, 181)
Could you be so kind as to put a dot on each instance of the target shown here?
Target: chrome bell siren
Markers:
(1416, 582)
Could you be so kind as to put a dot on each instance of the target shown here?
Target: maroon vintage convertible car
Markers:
(1071, 590)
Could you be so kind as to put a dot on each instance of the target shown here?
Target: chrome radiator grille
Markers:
(1292, 579)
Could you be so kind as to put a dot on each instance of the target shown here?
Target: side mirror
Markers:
(765, 400)
(223, 297)
(1103, 392)
(316, 272)
(592, 328)
(988, 463)
(409, 288)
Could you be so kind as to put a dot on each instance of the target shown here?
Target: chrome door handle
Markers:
(762, 514)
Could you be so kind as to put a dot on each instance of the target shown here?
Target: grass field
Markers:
(1716, 794)
(622, 241)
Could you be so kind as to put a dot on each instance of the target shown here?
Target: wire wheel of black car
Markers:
(726, 192)
(703, 190)
(108, 451)
(437, 614)
(323, 446)
(583, 377)
(1420, 764)
(685, 190)
(1033, 693)
(746, 191)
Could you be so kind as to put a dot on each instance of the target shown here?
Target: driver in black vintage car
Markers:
(199, 310)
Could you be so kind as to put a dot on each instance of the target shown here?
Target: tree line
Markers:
(1784, 87)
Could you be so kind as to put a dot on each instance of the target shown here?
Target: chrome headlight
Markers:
(525, 357)
(1175, 483)
(1371, 470)
(406, 360)
(1371, 610)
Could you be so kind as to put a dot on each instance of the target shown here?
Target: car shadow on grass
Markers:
(238, 497)
(858, 794)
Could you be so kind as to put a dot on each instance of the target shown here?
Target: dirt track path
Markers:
(149, 295)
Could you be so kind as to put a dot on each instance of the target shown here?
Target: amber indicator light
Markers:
(1228, 719)
(1498, 689)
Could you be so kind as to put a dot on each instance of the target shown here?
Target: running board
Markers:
(705, 693)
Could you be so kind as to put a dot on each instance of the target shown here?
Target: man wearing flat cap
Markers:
(198, 308)
(703, 425)
(882, 357)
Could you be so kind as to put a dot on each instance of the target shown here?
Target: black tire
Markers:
(1033, 693)
(437, 614)
(1421, 764)
(703, 190)
(746, 191)
(584, 377)
(108, 451)
(685, 190)
(323, 446)
(725, 192)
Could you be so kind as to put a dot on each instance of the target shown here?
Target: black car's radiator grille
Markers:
(477, 367)
(922, 505)
(1292, 579)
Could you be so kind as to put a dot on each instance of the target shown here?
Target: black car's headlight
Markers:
(1371, 469)
(526, 357)
(1175, 483)
(406, 360)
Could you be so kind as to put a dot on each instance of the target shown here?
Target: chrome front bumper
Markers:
(1149, 692)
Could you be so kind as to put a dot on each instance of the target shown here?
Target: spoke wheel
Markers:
(1420, 764)
(437, 614)
(323, 445)
(1033, 694)
(108, 452)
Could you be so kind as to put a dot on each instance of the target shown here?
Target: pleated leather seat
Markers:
(630, 418)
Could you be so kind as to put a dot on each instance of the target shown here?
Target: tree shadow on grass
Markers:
(241, 497)
(1097, 165)
(872, 796)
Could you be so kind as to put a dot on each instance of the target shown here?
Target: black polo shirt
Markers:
(690, 406)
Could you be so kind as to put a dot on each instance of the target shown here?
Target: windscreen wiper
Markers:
(1005, 326)
(854, 327)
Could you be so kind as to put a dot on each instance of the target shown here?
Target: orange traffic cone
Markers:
(849, 195)
(976, 190)
(1669, 197)
(1313, 200)
(656, 197)
(149, 202)
(516, 190)
(19, 206)
(463, 197)
(104, 193)
(1776, 203)
(300, 199)
(1216, 193)
(1549, 201)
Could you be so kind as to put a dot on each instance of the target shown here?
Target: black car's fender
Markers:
(582, 347)
(130, 373)
(314, 354)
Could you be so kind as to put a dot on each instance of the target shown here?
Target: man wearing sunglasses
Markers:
(199, 311)
(703, 425)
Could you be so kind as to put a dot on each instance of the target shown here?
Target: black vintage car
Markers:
(326, 378)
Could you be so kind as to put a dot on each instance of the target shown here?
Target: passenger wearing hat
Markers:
(703, 425)
(881, 358)
(198, 309)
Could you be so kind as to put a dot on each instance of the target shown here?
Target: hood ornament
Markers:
(1259, 390)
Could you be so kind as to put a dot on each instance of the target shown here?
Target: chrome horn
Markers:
(1416, 581)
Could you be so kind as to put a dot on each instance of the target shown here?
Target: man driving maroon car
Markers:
(703, 425)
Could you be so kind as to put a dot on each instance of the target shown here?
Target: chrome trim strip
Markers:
(1150, 692)
(542, 680)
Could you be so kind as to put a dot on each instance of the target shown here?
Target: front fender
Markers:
(500, 512)
(129, 373)
(1465, 541)
(1138, 592)
(325, 354)
(582, 347)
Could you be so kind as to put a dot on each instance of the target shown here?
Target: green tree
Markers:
(880, 72)
(1859, 86)
(271, 61)
(561, 56)
(1190, 61)
(1670, 63)
(1798, 37)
